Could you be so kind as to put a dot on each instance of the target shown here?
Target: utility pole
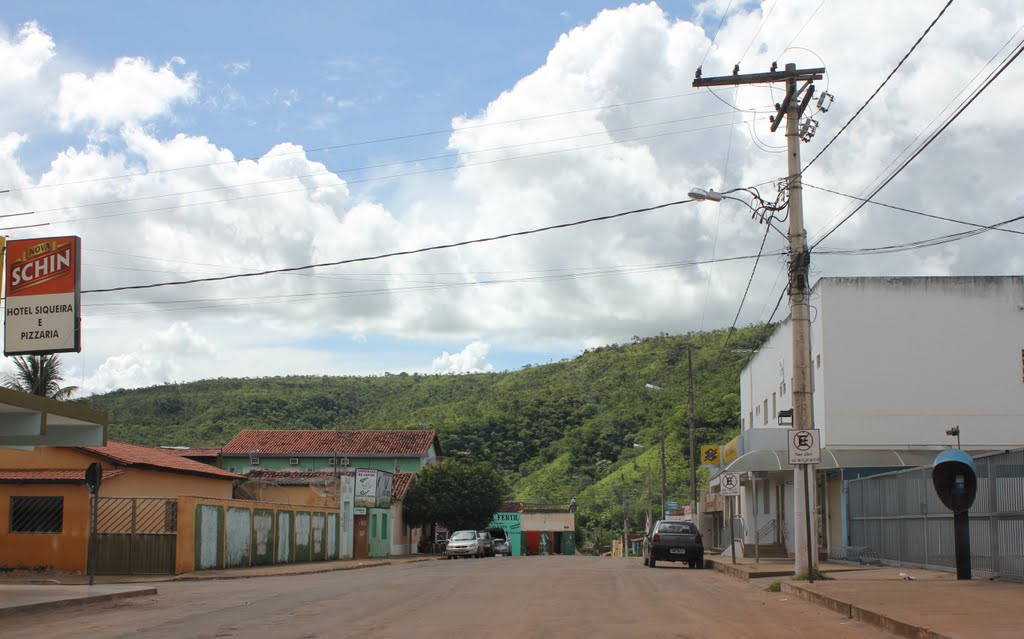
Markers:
(647, 489)
(693, 441)
(663, 492)
(625, 522)
(793, 105)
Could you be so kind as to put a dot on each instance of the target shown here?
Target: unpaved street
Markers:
(519, 597)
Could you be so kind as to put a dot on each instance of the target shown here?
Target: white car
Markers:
(463, 543)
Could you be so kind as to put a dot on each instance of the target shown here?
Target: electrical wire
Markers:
(348, 145)
(801, 30)
(725, 14)
(879, 88)
(736, 319)
(341, 172)
(912, 211)
(392, 254)
(215, 303)
(919, 244)
(931, 138)
(372, 179)
(758, 32)
(917, 137)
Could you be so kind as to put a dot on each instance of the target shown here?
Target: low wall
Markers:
(232, 533)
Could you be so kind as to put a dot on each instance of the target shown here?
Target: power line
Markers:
(880, 86)
(293, 269)
(919, 244)
(216, 303)
(736, 319)
(806, 22)
(912, 142)
(931, 138)
(912, 211)
(347, 145)
(340, 172)
(374, 179)
(758, 32)
(725, 14)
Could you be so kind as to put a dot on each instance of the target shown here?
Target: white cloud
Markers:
(25, 56)
(472, 359)
(133, 91)
(158, 358)
(559, 291)
(237, 67)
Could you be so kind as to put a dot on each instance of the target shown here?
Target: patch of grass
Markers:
(818, 576)
(776, 586)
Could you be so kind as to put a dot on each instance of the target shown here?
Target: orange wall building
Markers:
(44, 504)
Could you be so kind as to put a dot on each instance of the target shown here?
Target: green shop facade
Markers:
(536, 530)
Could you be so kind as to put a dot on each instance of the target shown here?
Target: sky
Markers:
(194, 140)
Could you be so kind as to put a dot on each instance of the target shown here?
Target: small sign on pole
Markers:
(730, 484)
(804, 446)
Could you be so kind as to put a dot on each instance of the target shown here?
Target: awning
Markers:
(769, 460)
(29, 420)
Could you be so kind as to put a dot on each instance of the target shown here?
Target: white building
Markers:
(897, 361)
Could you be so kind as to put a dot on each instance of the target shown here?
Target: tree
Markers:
(38, 375)
(460, 495)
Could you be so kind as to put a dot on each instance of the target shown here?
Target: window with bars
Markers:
(37, 515)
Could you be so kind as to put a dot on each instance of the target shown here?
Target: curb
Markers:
(71, 603)
(219, 575)
(877, 619)
(744, 575)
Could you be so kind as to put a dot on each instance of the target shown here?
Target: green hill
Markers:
(584, 427)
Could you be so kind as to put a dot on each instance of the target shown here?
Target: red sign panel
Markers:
(43, 296)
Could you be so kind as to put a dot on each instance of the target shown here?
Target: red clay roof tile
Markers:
(58, 475)
(329, 442)
(400, 487)
(157, 458)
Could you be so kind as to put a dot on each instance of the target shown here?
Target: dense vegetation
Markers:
(458, 494)
(584, 427)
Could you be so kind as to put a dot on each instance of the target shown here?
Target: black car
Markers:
(674, 541)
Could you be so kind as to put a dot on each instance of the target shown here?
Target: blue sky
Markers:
(186, 140)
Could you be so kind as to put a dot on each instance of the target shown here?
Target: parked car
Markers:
(674, 541)
(463, 543)
(501, 542)
(486, 543)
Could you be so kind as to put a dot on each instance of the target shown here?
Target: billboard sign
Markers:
(366, 487)
(384, 482)
(43, 301)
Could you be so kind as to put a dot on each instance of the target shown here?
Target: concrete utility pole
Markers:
(793, 106)
(693, 442)
(661, 432)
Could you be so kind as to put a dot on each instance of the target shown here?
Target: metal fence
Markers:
(899, 516)
(37, 515)
(135, 535)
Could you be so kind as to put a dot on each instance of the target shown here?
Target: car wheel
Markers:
(700, 563)
(651, 563)
(645, 561)
(691, 564)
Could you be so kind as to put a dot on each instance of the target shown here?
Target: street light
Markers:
(661, 434)
(702, 195)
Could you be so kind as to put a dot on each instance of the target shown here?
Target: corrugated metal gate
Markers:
(899, 516)
(136, 535)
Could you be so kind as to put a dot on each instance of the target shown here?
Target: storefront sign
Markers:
(366, 487)
(709, 455)
(43, 309)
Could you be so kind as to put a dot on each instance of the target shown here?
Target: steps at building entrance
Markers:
(765, 551)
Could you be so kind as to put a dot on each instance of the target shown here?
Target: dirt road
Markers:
(521, 597)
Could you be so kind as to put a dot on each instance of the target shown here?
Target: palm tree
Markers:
(38, 375)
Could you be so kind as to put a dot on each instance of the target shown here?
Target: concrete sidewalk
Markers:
(34, 591)
(16, 599)
(932, 605)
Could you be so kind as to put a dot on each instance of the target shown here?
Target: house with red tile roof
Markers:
(44, 503)
(393, 451)
(292, 463)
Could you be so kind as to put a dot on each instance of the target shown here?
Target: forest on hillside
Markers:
(584, 427)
